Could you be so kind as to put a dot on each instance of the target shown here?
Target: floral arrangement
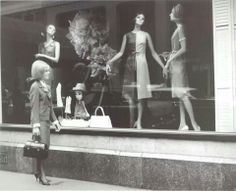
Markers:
(88, 33)
(99, 56)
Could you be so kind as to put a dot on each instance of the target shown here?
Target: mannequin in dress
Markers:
(176, 64)
(49, 52)
(136, 74)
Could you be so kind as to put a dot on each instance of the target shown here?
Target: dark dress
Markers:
(136, 74)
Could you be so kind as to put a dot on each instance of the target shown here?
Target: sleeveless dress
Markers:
(178, 70)
(136, 73)
(48, 50)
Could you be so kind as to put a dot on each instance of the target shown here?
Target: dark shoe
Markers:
(37, 176)
(44, 182)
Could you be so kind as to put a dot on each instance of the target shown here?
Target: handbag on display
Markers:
(100, 121)
(34, 149)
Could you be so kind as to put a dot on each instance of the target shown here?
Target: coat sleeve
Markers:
(34, 102)
(53, 116)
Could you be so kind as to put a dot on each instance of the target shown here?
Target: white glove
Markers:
(57, 125)
(36, 131)
(68, 105)
(58, 93)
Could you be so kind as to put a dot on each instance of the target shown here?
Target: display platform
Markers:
(74, 123)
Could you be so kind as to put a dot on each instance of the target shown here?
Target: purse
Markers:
(100, 121)
(34, 149)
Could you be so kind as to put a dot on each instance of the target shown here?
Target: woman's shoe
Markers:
(184, 128)
(44, 182)
(37, 176)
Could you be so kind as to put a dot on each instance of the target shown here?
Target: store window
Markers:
(90, 34)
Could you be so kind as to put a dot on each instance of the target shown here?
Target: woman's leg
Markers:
(37, 168)
(45, 138)
(189, 109)
(43, 176)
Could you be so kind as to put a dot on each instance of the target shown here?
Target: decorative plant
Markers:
(88, 33)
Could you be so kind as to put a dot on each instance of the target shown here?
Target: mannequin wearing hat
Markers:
(80, 109)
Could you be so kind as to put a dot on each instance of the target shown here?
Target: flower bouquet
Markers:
(88, 33)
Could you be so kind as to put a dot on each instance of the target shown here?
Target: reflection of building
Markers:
(148, 159)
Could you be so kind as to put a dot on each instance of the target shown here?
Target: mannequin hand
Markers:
(165, 72)
(57, 125)
(108, 68)
(165, 55)
(38, 55)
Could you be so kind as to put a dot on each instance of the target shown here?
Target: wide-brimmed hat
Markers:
(79, 86)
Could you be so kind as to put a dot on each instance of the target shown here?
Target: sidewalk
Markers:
(19, 181)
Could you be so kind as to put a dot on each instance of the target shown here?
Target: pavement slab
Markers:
(19, 181)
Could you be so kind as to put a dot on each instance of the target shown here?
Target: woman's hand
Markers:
(57, 125)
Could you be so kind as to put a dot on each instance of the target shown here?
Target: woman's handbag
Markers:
(35, 149)
(100, 121)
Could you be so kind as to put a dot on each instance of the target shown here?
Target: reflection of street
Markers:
(19, 181)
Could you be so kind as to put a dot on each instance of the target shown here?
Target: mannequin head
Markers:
(79, 90)
(51, 30)
(139, 19)
(177, 13)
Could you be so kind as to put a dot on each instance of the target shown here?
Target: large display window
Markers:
(90, 34)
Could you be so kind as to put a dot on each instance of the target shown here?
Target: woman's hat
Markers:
(79, 86)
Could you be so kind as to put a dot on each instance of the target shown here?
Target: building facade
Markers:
(157, 156)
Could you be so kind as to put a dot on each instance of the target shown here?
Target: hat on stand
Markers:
(79, 86)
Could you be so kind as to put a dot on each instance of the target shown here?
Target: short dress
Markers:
(178, 70)
(136, 73)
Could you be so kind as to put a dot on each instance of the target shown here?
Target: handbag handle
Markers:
(99, 107)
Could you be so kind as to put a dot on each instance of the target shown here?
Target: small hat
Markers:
(79, 86)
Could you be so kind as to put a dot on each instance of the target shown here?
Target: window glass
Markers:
(132, 90)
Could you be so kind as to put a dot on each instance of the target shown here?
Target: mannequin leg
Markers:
(182, 115)
(189, 109)
(141, 104)
(131, 112)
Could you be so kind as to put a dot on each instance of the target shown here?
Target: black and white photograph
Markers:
(118, 95)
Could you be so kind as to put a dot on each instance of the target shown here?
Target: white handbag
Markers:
(100, 121)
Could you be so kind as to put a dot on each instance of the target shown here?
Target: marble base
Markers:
(148, 173)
